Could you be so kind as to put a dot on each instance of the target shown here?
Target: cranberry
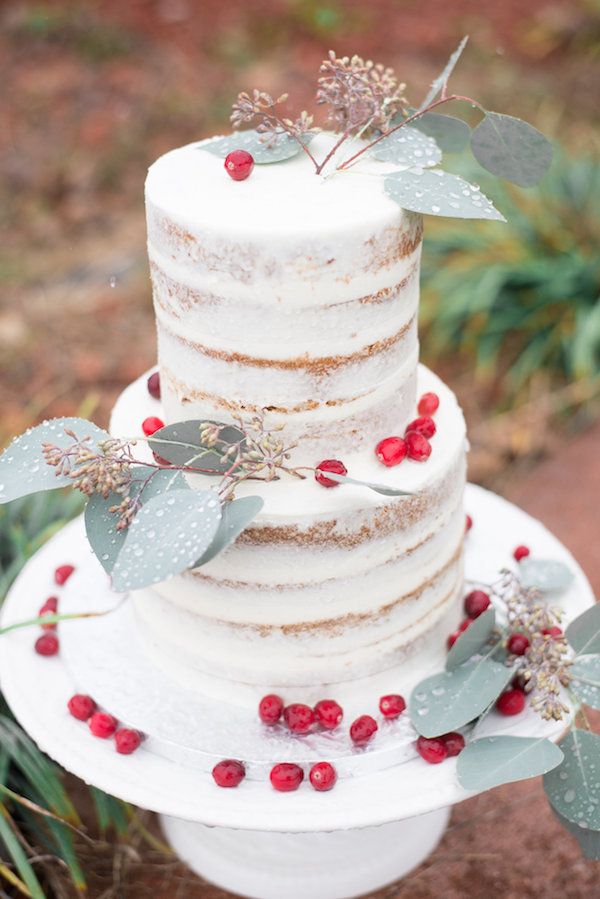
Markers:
(333, 465)
(424, 425)
(103, 725)
(153, 385)
(433, 751)
(151, 425)
(511, 702)
(322, 777)
(464, 625)
(452, 638)
(468, 523)
(476, 602)
(270, 709)
(521, 552)
(518, 644)
(228, 773)
(299, 717)
(81, 707)
(454, 743)
(50, 607)
(392, 705)
(553, 632)
(286, 777)
(428, 404)
(127, 740)
(239, 164)
(63, 573)
(362, 730)
(46, 645)
(391, 451)
(417, 447)
(329, 713)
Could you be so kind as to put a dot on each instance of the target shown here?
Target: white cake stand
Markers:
(389, 808)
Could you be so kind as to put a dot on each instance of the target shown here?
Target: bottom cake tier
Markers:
(342, 587)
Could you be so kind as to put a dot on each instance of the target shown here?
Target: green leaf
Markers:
(235, 517)
(449, 700)
(585, 672)
(22, 466)
(101, 525)
(583, 633)
(471, 640)
(435, 192)
(438, 83)
(110, 812)
(491, 761)
(589, 840)
(168, 534)
(19, 857)
(511, 149)
(179, 444)
(382, 489)
(408, 146)
(450, 134)
(285, 148)
(547, 575)
(573, 788)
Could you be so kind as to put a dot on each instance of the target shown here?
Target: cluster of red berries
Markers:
(48, 644)
(475, 604)
(435, 749)
(415, 443)
(103, 725)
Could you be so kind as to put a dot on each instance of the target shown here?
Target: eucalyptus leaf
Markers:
(285, 148)
(491, 761)
(168, 534)
(547, 575)
(511, 149)
(435, 192)
(409, 147)
(573, 789)
(382, 489)
(471, 640)
(449, 700)
(101, 525)
(450, 134)
(583, 633)
(438, 83)
(589, 840)
(235, 517)
(585, 672)
(22, 466)
(179, 444)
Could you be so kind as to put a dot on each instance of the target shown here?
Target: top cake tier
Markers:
(288, 292)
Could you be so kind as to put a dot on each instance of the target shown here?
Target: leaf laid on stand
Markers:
(382, 489)
(511, 149)
(583, 633)
(22, 466)
(589, 840)
(491, 761)
(285, 148)
(180, 444)
(450, 134)
(438, 83)
(168, 534)
(585, 672)
(435, 192)
(408, 146)
(547, 575)
(236, 516)
(471, 640)
(572, 787)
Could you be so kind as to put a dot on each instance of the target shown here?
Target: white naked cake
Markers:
(296, 295)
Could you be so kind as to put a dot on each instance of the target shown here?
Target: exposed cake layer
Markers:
(326, 586)
(288, 291)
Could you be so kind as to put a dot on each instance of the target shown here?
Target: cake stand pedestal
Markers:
(386, 813)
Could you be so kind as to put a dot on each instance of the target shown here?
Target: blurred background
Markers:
(93, 91)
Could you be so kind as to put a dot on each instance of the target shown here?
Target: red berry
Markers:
(299, 717)
(46, 645)
(153, 385)
(329, 713)
(552, 632)
(476, 602)
(239, 164)
(286, 777)
(127, 740)
(333, 465)
(270, 709)
(428, 404)
(81, 707)
(423, 425)
(464, 625)
(50, 607)
(392, 705)
(103, 725)
(521, 552)
(454, 743)
(468, 523)
(322, 777)
(151, 425)
(391, 451)
(452, 638)
(511, 702)
(63, 573)
(228, 773)
(362, 730)
(433, 751)
(518, 644)
(417, 447)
